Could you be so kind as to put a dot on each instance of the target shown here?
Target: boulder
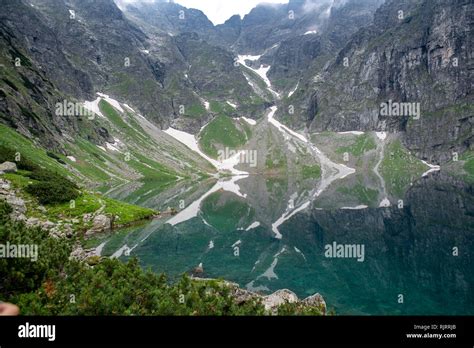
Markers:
(8, 167)
(47, 225)
(315, 300)
(20, 217)
(68, 228)
(242, 295)
(80, 254)
(16, 203)
(100, 223)
(32, 222)
(4, 185)
(279, 297)
(55, 233)
(198, 272)
(87, 217)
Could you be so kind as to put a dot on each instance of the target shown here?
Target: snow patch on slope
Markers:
(293, 90)
(381, 135)
(351, 132)
(252, 226)
(191, 142)
(249, 121)
(261, 71)
(94, 107)
(111, 101)
(355, 208)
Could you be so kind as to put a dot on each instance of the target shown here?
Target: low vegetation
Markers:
(28, 156)
(47, 186)
(57, 285)
(363, 143)
(468, 158)
(9, 155)
(399, 168)
(363, 194)
(311, 172)
(221, 131)
(50, 192)
(50, 187)
(63, 199)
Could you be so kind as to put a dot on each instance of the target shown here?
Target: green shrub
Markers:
(51, 188)
(299, 309)
(46, 175)
(10, 155)
(20, 275)
(110, 287)
(116, 288)
(50, 192)
(311, 172)
(54, 156)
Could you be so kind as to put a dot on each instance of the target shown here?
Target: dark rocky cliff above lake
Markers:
(414, 52)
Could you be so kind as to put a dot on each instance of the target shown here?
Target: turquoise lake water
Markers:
(418, 258)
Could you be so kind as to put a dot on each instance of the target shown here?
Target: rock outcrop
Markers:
(100, 223)
(8, 167)
(417, 52)
(276, 299)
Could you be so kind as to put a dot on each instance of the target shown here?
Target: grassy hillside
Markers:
(363, 143)
(399, 168)
(46, 199)
(122, 158)
(223, 132)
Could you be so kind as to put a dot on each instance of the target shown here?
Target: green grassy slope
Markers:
(222, 132)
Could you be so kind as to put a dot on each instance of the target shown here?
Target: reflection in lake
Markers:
(272, 233)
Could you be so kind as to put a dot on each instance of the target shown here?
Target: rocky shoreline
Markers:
(66, 228)
(273, 301)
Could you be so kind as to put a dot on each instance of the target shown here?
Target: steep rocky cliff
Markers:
(417, 52)
(84, 47)
(334, 63)
(321, 32)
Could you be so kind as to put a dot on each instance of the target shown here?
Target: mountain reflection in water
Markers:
(419, 249)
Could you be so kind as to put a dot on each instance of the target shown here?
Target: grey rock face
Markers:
(315, 300)
(345, 66)
(422, 58)
(279, 297)
(317, 35)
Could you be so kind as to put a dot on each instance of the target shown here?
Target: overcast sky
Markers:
(218, 11)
